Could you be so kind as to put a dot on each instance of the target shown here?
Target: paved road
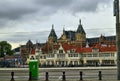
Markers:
(55, 74)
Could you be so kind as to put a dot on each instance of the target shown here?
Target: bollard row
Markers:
(30, 76)
(46, 76)
(12, 76)
(100, 75)
(81, 78)
(63, 76)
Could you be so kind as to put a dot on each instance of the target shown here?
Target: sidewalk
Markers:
(72, 73)
(65, 68)
(61, 80)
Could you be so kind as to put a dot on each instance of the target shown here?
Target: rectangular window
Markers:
(75, 55)
(105, 55)
(95, 50)
(55, 51)
(83, 55)
(60, 55)
(68, 55)
(112, 54)
(95, 55)
(60, 51)
(44, 57)
(89, 55)
(72, 51)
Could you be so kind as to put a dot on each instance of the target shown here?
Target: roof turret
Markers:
(29, 43)
(80, 28)
(52, 33)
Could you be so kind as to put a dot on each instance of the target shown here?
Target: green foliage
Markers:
(5, 48)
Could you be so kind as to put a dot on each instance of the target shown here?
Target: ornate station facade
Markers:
(73, 48)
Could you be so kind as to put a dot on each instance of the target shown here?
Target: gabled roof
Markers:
(109, 38)
(66, 47)
(90, 40)
(17, 49)
(77, 48)
(89, 49)
(108, 49)
(33, 51)
(96, 39)
(29, 42)
(105, 48)
(23, 46)
(70, 35)
(84, 50)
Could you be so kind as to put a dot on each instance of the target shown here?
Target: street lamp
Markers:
(116, 13)
(0, 51)
(4, 58)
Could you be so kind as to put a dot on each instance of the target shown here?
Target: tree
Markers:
(5, 48)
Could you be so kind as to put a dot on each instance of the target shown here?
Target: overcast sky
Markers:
(21, 20)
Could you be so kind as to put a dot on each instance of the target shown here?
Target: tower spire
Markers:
(52, 34)
(80, 21)
(63, 29)
(52, 26)
(80, 28)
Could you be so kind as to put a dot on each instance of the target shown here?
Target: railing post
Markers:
(100, 75)
(12, 74)
(81, 78)
(63, 77)
(30, 76)
(46, 76)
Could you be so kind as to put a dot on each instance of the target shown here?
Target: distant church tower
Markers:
(52, 38)
(80, 36)
(64, 35)
(29, 46)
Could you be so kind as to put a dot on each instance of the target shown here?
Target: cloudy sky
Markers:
(21, 20)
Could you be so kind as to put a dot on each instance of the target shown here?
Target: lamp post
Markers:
(116, 13)
(0, 51)
(4, 52)
(4, 59)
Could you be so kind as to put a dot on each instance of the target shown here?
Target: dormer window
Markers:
(72, 51)
(95, 50)
(60, 51)
(68, 51)
(54, 51)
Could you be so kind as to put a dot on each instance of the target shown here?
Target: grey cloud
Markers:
(87, 5)
(24, 36)
(11, 9)
(14, 9)
(22, 10)
(41, 36)
(73, 6)
(98, 31)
